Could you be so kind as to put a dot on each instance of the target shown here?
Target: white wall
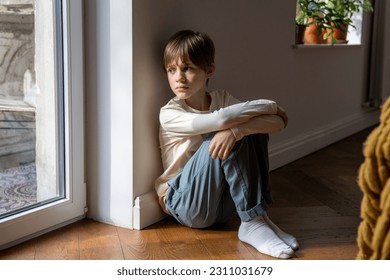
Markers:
(108, 56)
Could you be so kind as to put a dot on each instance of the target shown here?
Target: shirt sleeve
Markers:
(260, 124)
(180, 122)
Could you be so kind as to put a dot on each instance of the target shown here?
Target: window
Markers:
(17, 107)
(31, 110)
(41, 111)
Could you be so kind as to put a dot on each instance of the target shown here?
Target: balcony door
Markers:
(41, 117)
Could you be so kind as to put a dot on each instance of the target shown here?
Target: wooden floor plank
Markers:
(25, 251)
(62, 244)
(225, 247)
(328, 251)
(144, 245)
(139, 245)
(315, 188)
(181, 242)
(222, 242)
(99, 242)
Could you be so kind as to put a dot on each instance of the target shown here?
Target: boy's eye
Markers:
(171, 70)
(187, 68)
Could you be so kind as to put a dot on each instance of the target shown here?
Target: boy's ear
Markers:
(211, 71)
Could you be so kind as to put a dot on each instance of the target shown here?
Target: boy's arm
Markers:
(221, 144)
(224, 140)
(180, 122)
(260, 124)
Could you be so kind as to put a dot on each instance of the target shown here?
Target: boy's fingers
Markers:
(213, 151)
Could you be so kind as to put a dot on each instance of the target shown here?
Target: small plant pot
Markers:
(340, 34)
(311, 35)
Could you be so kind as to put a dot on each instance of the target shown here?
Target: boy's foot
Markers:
(287, 238)
(259, 234)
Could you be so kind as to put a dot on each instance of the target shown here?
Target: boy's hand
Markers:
(282, 113)
(221, 144)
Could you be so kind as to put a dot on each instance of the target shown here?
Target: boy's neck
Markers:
(201, 103)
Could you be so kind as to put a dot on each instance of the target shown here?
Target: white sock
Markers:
(287, 238)
(259, 234)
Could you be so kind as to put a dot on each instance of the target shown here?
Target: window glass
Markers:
(31, 106)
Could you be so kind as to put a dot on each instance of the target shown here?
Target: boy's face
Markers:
(187, 80)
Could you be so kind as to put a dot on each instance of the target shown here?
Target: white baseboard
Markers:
(147, 210)
(309, 142)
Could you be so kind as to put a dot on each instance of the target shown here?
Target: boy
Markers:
(214, 150)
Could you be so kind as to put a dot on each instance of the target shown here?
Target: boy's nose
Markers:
(180, 78)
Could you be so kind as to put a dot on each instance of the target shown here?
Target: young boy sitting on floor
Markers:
(214, 150)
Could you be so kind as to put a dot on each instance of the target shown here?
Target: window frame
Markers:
(72, 207)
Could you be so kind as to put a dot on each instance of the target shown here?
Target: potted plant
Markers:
(324, 19)
(313, 15)
(340, 14)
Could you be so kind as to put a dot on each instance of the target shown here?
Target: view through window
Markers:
(30, 166)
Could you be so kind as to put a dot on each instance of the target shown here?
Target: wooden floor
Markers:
(316, 198)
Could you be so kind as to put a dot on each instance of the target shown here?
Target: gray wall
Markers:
(322, 89)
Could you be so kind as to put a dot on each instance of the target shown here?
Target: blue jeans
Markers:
(208, 190)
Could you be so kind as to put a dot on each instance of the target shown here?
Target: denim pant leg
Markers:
(207, 190)
(199, 196)
(247, 173)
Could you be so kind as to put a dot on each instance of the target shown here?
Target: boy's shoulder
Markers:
(220, 98)
(175, 102)
(220, 93)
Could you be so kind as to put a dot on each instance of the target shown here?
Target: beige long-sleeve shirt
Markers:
(181, 129)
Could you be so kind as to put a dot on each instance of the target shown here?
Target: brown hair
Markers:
(190, 45)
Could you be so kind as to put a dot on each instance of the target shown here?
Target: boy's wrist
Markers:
(236, 133)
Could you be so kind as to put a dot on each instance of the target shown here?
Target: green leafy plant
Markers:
(342, 11)
(329, 15)
(315, 12)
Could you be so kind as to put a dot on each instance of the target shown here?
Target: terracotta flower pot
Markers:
(340, 34)
(311, 35)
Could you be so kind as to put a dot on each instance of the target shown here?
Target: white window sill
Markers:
(321, 46)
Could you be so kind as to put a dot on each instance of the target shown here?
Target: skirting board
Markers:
(297, 147)
(147, 210)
